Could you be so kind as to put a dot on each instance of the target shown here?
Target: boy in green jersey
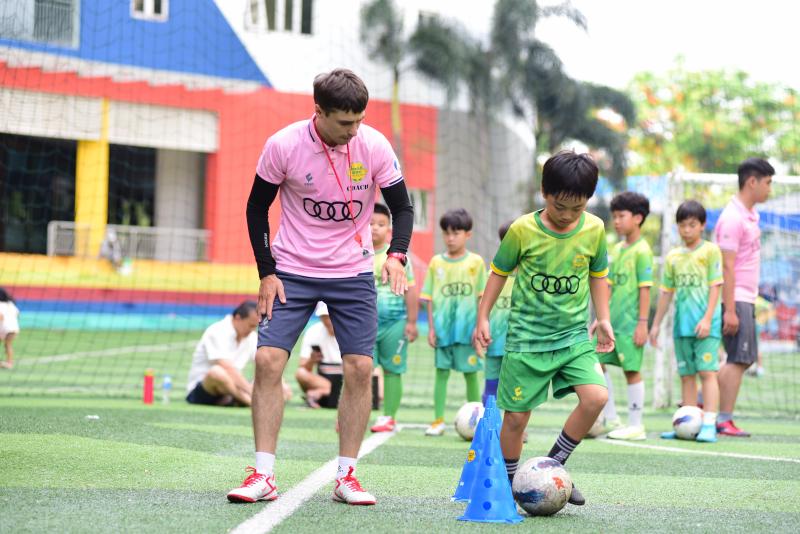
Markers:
(397, 323)
(630, 279)
(560, 256)
(453, 285)
(694, 272)
(498, 321)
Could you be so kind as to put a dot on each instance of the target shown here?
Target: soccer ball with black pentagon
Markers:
(467, 419)
(541, 486)
(687, 422)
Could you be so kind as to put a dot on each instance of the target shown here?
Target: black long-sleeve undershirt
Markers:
(263, 194)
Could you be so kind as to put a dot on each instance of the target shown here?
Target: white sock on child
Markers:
(610, 409)
(635, 403)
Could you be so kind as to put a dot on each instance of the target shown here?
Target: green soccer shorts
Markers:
(391, 348)
(695, 355)
(461, 358)
(492, 371)
(625, 354)
(525, 377)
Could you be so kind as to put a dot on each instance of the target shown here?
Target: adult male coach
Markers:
(327, 169)
(739, 238)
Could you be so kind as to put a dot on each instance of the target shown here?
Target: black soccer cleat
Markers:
(576, 497)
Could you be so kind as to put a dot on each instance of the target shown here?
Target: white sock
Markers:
(635, 403)
(709, 418)
(610, 409)
(345, 464)
(265, 462)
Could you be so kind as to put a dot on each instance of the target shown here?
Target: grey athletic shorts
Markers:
(352, 304)
(742, 348)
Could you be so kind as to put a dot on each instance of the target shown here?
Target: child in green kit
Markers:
(397, 323)
(693, 272)
(630, 278)
(498, 321)
(560, 256)
(453, 285)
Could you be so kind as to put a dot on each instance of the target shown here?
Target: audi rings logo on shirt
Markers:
(331, 211)
(555, 285)
(457, 289)
(619, 279)
(503, 303)
(687, 280)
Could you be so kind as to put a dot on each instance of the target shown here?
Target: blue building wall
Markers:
(196, 38)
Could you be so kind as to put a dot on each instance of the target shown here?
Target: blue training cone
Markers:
(491, 500)
(475, 452)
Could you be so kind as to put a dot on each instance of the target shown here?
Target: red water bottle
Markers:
(147, 393)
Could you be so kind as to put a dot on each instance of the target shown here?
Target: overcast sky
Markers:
(628, 36)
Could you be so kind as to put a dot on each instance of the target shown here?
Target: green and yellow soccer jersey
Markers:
(550, 302)
(454, 286)
(498, 319)
(391, 307)
(630, 269)
(690, 274)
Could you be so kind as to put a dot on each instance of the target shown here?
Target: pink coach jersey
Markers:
(737, 231)
(317, 236)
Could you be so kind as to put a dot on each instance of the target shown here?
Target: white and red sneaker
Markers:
(348, 490)
(384, 423)
(256, 487)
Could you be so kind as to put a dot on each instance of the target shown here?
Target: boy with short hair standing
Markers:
(630, 278)
(397, 323)
(560, 256)
(453, 285)
(693, 272)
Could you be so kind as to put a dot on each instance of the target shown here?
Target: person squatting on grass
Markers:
(327, 169)
(560, 256)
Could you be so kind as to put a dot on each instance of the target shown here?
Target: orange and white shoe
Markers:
(256, 487)
(384, 423)
(348, 490)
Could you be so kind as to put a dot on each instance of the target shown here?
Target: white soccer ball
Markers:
(467, 419)
(598, 428)
(687, 422)
(541, 486)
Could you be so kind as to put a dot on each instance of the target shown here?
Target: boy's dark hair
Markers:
(635, 203)
(381, 209)
(691, 209)
(503, 230)
(760, 168)
(457, 219)
(244, 309)
(340, 89)
(5, 296)
(570, 175)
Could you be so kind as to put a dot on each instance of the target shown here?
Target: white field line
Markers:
(707, 453)
(273, 513)
(136, 349)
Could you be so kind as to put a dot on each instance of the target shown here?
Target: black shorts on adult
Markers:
(742, 347)
(352, 304)
(199, 395)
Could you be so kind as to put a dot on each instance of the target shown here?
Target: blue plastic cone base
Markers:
(490, 499)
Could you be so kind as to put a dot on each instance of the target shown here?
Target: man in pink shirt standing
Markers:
(326, 169)
(739, 238)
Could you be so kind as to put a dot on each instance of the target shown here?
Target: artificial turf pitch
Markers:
(167, 467)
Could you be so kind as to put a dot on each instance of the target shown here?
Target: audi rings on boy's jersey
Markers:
(457, 289)
(331, 211)
(555, 285)
(503, 303)
(687, 280)
(619, 279)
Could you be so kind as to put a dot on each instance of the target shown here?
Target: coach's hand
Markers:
(395, 273)
(730, 323)
(270, 287)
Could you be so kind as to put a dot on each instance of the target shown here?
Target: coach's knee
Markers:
(357, 369)
(270, 364)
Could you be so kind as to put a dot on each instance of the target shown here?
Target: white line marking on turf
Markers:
(692, 451)
(275, 512)
(116, 351)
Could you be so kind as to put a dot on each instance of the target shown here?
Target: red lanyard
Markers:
(338, 181)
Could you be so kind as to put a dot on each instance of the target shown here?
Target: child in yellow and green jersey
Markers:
(397, 323)
(498, 322)
(560, 257)
(453, 285)
(630, 278)
(693, 273)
